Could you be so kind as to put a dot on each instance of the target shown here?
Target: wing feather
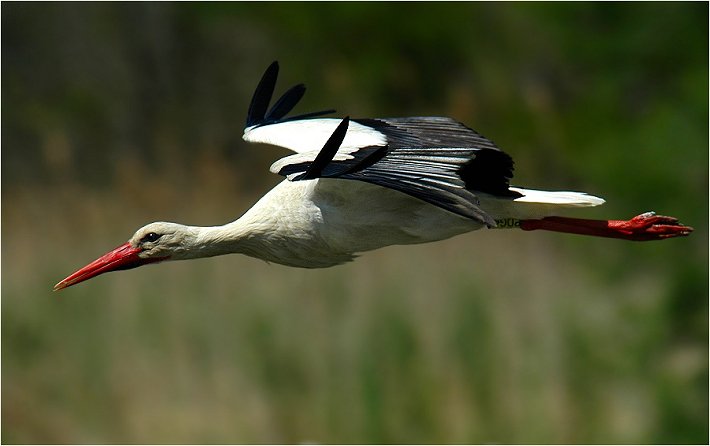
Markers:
(435, 159)
(262, 95)
(428, 131)
(286, 103)
(489, 171)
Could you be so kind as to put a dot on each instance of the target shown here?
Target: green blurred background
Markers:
(118, 114)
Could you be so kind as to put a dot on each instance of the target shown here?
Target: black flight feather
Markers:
(262, 95)
(286, 103)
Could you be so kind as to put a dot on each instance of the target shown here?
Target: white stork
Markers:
(354, 185)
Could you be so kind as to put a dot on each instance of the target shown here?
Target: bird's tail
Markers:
(557, 198)
(535, 204)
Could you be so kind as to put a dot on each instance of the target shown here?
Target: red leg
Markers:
(648, 226)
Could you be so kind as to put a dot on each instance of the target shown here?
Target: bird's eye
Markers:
(150, 237)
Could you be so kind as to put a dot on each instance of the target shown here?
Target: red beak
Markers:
(123, 257)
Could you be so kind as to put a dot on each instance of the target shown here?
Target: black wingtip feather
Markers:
(286, 103)
(262, 95)
(259, 112)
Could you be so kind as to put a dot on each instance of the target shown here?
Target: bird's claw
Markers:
(649, 226)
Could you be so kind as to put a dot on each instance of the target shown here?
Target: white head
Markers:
(163, 240)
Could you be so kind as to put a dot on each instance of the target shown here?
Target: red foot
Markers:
(648, 226)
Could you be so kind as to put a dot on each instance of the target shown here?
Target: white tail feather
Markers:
(562, 198)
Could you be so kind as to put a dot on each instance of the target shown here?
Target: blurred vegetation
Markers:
(117, 114)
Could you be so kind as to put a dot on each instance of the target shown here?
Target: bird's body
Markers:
(318, 223)
(323, 222)
(357, 185)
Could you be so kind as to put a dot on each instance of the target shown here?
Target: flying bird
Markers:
(355, 185)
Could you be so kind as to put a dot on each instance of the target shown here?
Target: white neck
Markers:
(210, 241)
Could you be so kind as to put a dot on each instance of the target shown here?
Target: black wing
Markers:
(489, 170)
(437, 160)
(258, 114)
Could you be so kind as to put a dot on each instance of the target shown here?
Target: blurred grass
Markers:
(120, 114)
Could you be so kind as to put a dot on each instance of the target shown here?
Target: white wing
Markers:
(309, 135)
(435, 159)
